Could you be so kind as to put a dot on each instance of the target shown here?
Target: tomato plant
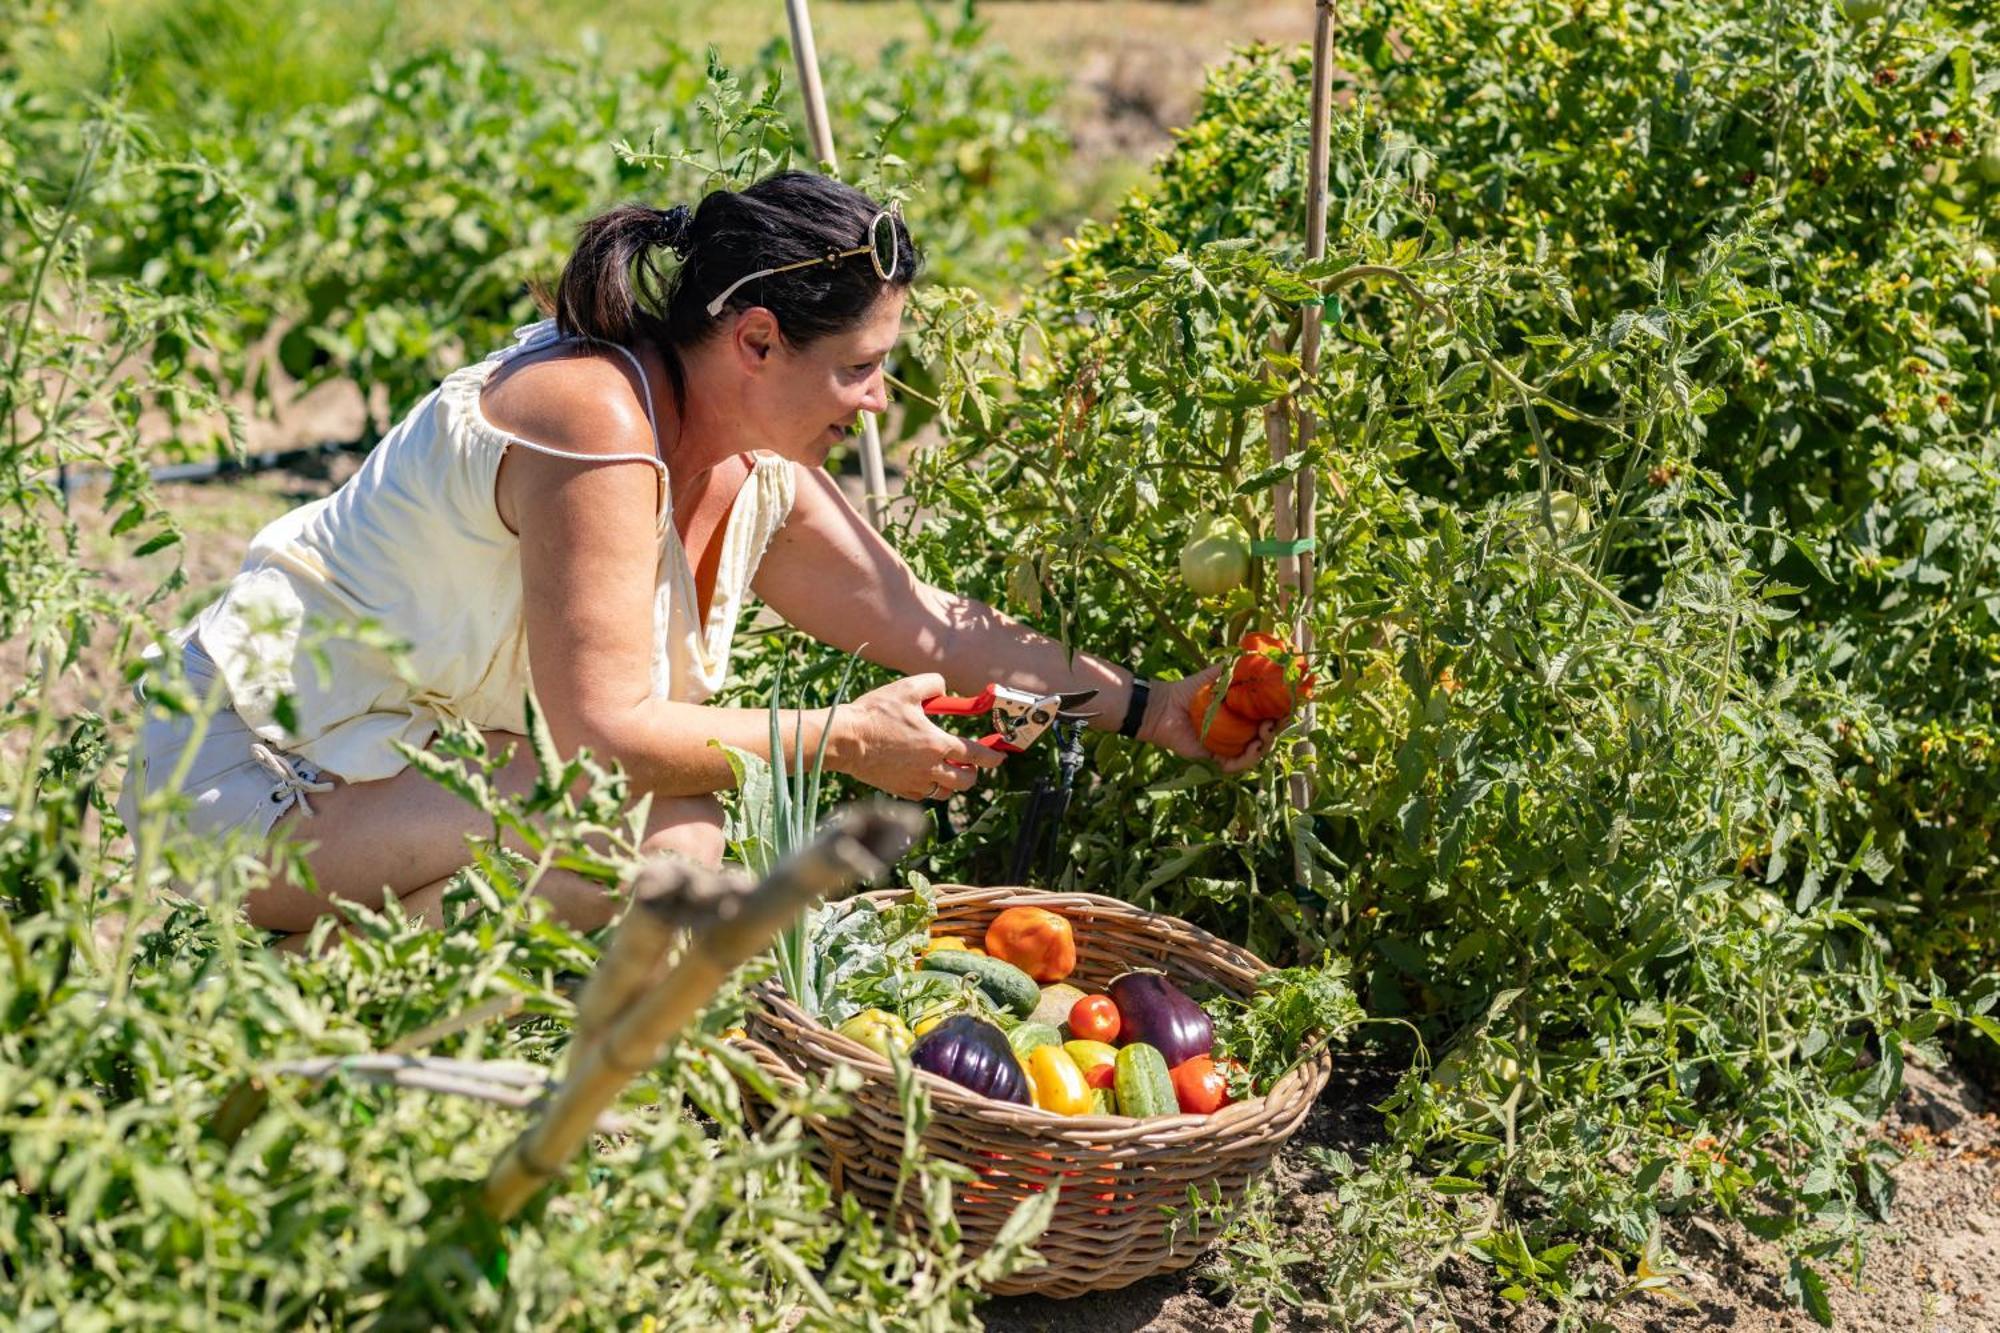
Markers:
(1594, 676)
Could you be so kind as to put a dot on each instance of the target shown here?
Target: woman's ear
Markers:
(756, 338)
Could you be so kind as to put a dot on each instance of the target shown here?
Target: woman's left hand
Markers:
(1168, 725)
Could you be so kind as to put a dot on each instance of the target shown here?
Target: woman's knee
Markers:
(689, 826)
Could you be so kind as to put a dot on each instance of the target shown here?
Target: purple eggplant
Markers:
(1152, 1010)
(975, 1055)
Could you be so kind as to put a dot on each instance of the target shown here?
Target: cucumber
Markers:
(1031, 1034)
(1144, 1086)
(1007, 986)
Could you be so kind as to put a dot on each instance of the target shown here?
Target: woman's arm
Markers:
(589, 543)
(834, 577)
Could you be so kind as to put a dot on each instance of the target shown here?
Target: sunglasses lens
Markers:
(882, 243)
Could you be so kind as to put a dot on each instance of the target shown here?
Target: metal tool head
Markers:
(1021, 717)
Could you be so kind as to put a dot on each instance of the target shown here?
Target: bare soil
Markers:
(1935, 1268)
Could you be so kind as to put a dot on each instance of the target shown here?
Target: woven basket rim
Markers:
(1298, 1084)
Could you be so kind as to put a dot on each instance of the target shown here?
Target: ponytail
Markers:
(612, 289)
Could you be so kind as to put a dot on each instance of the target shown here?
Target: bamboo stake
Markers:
(820, 130)
(502, 1083)
(631, 965)
(1278, 435)
(1318, 163)
(728, 920)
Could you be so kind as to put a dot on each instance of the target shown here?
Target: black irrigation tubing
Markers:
(69, 480)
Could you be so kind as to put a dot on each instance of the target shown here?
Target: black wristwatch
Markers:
(1135, 711)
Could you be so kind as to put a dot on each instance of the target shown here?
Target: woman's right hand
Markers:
(885, 739)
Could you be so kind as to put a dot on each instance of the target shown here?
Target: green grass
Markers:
(279, 55)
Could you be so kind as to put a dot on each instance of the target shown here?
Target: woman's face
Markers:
(812, 397)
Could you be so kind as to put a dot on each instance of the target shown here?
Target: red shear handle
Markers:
(994, 742)
(959, 705)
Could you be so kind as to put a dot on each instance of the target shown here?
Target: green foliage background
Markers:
(1675, 830)
(1670, 834)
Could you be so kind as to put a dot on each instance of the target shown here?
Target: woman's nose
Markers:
(876, 397)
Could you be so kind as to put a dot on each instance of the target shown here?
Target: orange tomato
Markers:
(1094, 1018)
(1258, 688)
(1228, 733)
(1199, 1086)
(1034, 939)
(1268, 680)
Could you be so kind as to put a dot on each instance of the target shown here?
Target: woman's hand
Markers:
(1168, 725)
(885, 739)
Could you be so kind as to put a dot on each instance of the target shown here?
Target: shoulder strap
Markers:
(645, 401)
(663, 513)
(645, 389)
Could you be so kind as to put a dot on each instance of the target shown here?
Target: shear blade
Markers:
(1067, 704)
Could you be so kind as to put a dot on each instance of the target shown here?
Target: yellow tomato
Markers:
(1091, 1055)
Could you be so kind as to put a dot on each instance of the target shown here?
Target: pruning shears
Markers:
(1018, 716)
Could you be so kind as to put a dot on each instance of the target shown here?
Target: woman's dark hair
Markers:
(619, 286)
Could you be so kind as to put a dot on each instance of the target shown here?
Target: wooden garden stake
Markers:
(1284, 515)
(726, 920)
(820, 130)
(1318, 163)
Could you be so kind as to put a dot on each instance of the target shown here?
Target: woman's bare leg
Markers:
(407, 834)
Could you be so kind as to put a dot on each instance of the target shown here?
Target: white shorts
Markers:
(235, 783)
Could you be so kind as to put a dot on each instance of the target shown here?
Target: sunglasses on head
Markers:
(881, 252)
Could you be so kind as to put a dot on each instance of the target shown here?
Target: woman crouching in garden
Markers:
(589, 509)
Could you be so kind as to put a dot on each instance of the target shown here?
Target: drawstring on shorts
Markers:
(296, 777)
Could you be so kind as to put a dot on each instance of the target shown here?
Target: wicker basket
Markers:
(1123, 1214)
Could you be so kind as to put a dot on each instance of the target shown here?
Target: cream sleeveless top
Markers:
(410, 553)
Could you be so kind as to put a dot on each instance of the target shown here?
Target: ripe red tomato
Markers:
(1199, 1086)
(1094, 1018)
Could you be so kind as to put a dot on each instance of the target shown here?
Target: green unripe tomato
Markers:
(1569, 514)
(1987, 164)
(1863, 11)
(1572, 518)
(1217, 560)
